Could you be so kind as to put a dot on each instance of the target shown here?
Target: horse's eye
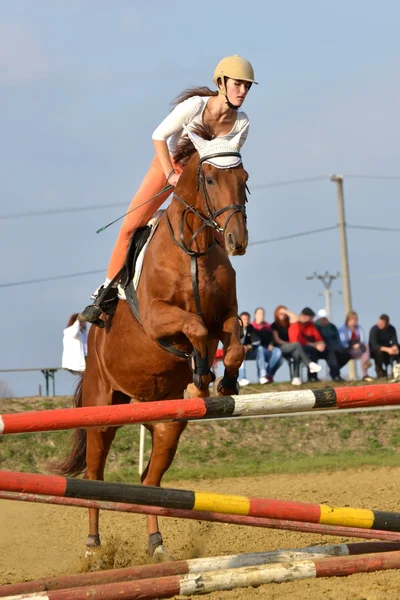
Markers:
(209, 181)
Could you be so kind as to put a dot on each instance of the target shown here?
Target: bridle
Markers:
(207, 220)
(212, 214)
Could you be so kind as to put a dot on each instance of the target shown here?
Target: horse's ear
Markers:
(240, 138)
(198, 142)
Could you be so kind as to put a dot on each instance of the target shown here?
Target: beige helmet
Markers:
(235, 67)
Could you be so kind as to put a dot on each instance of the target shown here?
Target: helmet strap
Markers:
(229, 103)
(222, 90)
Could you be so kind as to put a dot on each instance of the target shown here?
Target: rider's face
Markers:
(237, 90)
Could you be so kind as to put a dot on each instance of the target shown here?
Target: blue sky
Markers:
(83, 85)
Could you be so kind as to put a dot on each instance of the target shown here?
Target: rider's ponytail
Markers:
(194, 91)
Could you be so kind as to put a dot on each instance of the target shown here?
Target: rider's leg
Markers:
(152, 184)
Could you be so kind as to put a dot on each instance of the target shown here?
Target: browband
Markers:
(218, 154)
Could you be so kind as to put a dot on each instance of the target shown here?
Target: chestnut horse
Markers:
(187, 300)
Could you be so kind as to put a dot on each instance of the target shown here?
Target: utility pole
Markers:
(338, 179)
(327, 279)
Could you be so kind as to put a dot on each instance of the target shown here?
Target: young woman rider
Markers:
(218, 110)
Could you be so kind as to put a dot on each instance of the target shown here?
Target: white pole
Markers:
(141, 448)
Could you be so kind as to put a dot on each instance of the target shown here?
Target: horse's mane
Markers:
(186, 149)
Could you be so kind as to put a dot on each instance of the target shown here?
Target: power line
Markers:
(293, 235)
(385, 177)
(373, 228)
(369, 275)
(52, 278)
(262, 186)
(87, 207)
(257, 243)
(94, 272)
(59, 211)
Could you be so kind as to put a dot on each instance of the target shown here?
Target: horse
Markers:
(187, 305)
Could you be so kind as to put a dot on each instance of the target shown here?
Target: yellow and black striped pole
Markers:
(199, 501)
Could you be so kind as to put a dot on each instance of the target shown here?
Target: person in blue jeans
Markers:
(267, 361)
(272, 354)
(254, 351)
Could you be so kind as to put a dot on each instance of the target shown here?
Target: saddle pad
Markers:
(153, 223)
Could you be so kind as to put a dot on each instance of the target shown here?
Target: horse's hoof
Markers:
(156, 549)
(92, 551)
(219, 390)
(161, 554)
(93, 545)
(215, 386)
(192, 392)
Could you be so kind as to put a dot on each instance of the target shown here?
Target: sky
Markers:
(84, 84)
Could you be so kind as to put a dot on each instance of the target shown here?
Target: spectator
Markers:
(337, 356)
(272, 354)
(353, 338)
(280, 329)
(383, 345)
(305, 333)
(74, 346)
(254, 351)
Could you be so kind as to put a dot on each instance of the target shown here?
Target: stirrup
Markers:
(105, 302)
(91, 314)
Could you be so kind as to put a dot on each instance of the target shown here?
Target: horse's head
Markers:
(221, 188)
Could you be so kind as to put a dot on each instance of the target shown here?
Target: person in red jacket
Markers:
(304, 332)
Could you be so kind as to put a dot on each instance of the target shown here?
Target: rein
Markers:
(209, 221)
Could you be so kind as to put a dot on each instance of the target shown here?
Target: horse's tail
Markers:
(75, 463)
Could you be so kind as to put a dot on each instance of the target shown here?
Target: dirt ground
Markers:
(38, 540)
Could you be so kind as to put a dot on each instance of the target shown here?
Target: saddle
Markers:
(136, 245)
(134, 263)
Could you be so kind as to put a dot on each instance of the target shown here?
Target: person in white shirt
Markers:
(219, 111)
(74, 346)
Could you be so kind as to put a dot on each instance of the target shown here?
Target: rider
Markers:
(219, 110)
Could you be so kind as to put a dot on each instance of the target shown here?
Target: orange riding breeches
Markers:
(152, 184)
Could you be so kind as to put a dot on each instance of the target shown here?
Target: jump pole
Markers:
(197, 565)
(204, 501)
(203, 583)
(212, 517)
(201, 408)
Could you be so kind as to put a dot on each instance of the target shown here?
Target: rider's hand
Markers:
(173, 179)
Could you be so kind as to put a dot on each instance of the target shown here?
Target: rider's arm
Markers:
(242, 126)
(163, 155)
(173, 123)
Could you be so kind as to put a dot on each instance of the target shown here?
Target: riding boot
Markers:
(105, 301)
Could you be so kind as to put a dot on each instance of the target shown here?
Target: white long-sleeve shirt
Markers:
(74, 348)
(190, 112)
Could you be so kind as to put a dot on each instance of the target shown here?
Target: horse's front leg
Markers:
(165, 439)
(233, 355)
(164, 321)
